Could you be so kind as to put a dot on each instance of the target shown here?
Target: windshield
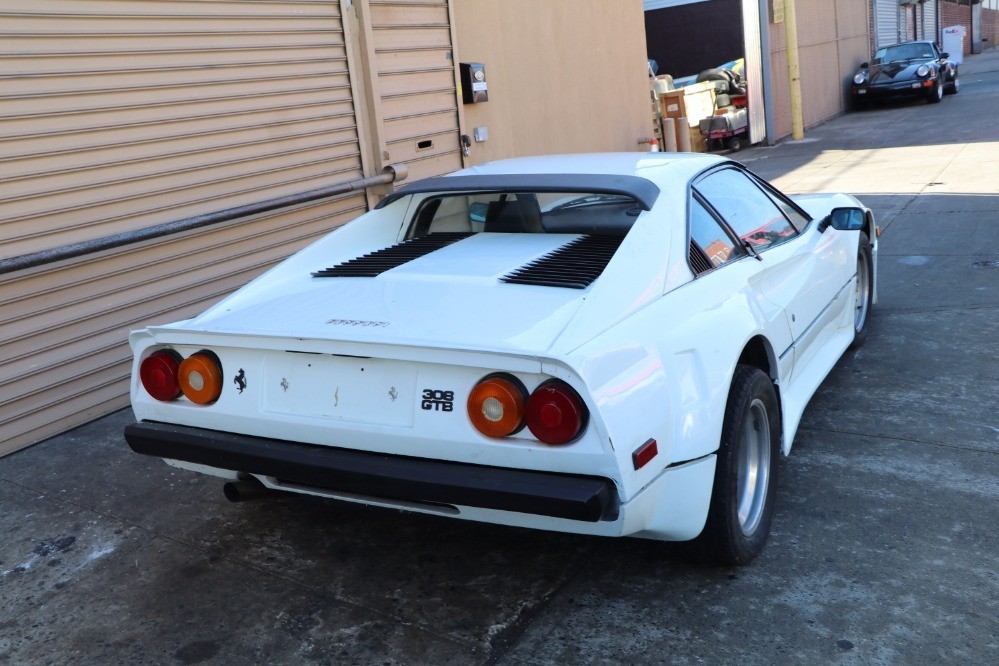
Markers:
(525, 212)
(903, 52)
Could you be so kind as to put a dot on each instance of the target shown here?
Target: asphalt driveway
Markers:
(884, 548)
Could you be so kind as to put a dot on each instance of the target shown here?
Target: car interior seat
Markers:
(520, 215)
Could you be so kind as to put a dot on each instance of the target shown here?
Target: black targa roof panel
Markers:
(643, 191)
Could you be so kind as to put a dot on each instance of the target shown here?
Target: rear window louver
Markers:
(376, 263)
(698, 262)
(574, 265)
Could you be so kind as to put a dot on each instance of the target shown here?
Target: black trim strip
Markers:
(583, 498)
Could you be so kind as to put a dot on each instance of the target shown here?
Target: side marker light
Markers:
(643, 454)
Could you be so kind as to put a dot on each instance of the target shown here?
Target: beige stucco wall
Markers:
(833, 39)
(564, 75)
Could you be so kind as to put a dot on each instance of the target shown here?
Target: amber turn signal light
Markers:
(200, 377)
(496, 405)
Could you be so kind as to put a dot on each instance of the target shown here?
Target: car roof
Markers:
(641, 164)
(915, 41)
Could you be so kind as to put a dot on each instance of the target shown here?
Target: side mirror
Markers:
(865, 65)
(844, 219)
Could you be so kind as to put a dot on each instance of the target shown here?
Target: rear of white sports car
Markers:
(499, 438)
(432, 369)
(610, 344)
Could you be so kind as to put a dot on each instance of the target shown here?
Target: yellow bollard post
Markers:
(793, 70)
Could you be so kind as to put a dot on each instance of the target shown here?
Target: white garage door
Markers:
(886, 22)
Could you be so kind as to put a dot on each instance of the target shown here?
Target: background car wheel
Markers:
(865, 291)
(742, 501)
(936, 92)
(735, 144)
(955, 84)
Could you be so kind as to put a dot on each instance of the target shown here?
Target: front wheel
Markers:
(936, 93)
(745, 485)
(865, 291)
(955, 85)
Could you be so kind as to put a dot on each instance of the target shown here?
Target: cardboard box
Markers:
(692, 102)
(698, 144)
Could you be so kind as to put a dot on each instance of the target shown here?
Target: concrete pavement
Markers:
(884, 547)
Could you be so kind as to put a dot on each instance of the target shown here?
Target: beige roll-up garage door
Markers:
(120, 114)
(413, 56)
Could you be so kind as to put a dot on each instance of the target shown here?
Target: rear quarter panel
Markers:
(664, 373)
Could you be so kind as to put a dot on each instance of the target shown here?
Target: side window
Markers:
(710, 236)
(750, 212)
(799, 220)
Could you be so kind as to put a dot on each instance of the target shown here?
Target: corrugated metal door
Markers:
(930, 20)
(413, 56)
(886, 22)
(120, 115)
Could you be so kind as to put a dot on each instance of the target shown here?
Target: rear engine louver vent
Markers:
(376, 263)
(698, 262)
(574, 265)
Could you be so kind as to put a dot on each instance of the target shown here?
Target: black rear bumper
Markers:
(584, 498)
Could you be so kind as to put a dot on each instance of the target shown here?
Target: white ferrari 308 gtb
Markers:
(608, 344)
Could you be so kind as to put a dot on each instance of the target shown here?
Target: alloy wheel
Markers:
(753, 471)
(863, 291)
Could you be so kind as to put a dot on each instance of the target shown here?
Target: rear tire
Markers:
(745, 484)
(865, 292)
(735, 144)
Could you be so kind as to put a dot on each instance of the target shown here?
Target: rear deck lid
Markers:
(453, 296)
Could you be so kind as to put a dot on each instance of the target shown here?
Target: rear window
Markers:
(526, 213)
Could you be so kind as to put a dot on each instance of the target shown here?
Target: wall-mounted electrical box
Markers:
(474, 88)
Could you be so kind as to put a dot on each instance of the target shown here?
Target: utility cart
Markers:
(726, 130)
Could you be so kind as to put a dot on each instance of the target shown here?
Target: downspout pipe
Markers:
(768, 95)
(392, 173)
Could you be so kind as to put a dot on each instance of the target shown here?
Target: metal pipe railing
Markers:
(30, 260)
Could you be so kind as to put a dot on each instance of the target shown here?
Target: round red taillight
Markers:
(200, 377)
(496, 405)
(158, 374)
(555, 413)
